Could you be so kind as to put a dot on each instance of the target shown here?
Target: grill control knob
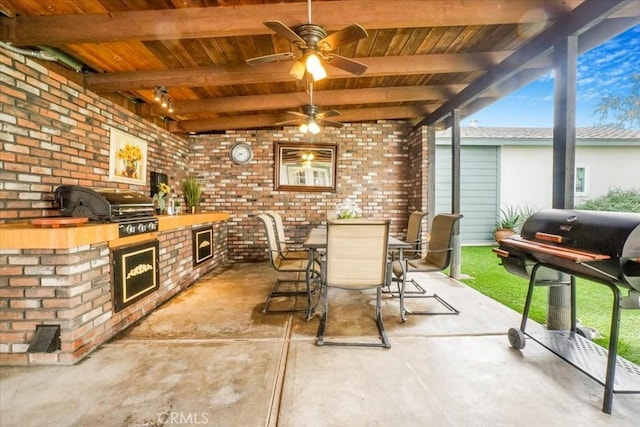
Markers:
(142, 228)
(130, 229)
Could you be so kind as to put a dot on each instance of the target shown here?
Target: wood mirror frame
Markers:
(295, 171)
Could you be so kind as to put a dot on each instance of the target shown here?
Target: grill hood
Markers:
(103, 204)
(616, 234)
(601, 246)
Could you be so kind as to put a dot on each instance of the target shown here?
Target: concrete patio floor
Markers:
(210, 357)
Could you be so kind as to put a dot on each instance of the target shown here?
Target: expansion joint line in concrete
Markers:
(276, 396)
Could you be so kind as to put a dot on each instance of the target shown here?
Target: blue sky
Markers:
(604, 70)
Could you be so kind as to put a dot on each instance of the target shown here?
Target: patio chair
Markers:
(281, 239)
(296, 266)
(356, 259)
(414, 238)
(414, 234)
(437, 258)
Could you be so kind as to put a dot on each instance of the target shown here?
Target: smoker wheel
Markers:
(516, 338)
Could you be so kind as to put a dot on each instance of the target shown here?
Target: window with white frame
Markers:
(582, 180)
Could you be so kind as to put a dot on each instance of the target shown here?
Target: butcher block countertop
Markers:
(25, 235)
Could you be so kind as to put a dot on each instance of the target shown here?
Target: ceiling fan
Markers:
(311, 117)
(314, 45)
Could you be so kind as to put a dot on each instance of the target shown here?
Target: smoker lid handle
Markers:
(551, 237)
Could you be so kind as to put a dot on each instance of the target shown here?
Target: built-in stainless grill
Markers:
(135, 272)
(603, 247)
(133, 211)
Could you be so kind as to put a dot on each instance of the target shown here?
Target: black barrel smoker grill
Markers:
(603, 247)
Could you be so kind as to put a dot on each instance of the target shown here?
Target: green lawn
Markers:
(594, 301)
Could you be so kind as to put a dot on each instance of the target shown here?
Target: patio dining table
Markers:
(317, 239)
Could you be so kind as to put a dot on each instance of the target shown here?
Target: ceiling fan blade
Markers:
(270, 58)
(346, 35)
(347, 64)
(297, 114)
(291, 122)
(330, 123)
(284, 31)
(329, 113)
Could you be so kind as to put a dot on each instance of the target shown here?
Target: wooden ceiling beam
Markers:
(279, 72)
(256, 121)
(209, 22)
(282, 101)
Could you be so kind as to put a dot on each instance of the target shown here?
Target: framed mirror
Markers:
(305, 167)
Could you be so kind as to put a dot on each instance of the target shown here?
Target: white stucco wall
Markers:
(526, 175)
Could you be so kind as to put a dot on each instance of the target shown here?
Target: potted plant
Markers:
(509, 219)
(192, 191)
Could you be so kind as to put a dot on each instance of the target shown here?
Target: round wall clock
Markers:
(241, 153)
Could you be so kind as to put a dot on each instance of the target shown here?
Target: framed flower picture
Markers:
(127, 158)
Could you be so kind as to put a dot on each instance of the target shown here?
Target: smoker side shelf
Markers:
(589, 358)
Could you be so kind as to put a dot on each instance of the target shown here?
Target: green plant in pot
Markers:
(509, 219)
(192, 191)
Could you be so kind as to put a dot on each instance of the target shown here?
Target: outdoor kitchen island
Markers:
(59, 281)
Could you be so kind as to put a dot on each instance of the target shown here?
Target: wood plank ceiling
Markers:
(424, 57)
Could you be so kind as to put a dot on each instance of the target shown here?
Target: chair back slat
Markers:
(439, 250)
(414, 229)
(281, 239)
(269, 228)
(357, 253)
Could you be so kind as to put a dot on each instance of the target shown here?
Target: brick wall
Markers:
(70, 288)
(418, 190)
(54, 132)
(373, 167)
(176, 269)
(417, 164)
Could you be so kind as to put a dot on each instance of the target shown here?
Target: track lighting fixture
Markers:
(157, 94)
(161, 96)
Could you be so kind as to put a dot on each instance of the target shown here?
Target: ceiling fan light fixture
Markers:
(304, 128)
(315, 67)
(313, 127)
(297, 70)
